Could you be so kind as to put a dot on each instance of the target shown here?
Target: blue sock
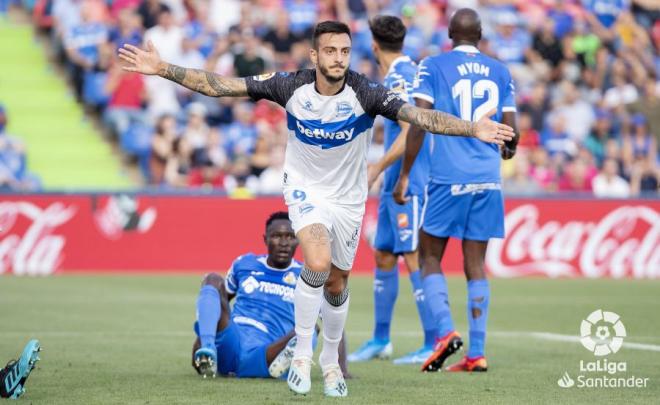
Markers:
(208, 314)
(430, 331)
(478, 299)
(435, 292)
(386, 289)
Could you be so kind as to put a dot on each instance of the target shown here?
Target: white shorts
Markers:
(343, 221)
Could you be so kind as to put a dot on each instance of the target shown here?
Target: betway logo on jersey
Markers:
(320, 133)
(329, 134)
(251, 284)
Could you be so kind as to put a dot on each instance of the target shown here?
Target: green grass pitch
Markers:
(127, 340)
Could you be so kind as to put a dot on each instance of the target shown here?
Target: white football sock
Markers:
(307, 299)
(334, 310)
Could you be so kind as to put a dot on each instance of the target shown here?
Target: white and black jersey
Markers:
(328, 135)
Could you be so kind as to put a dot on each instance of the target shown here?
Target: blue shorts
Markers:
(398, 225)
(241, 351)
(465, 211)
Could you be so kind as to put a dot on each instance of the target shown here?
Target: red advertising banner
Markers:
(43, 234)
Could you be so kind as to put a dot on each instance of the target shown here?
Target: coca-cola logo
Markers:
(38, 251)
(624, 242)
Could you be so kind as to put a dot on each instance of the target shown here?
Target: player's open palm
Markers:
(146, 61)
(490, 131)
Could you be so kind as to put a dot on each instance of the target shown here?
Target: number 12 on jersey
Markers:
(468, 95)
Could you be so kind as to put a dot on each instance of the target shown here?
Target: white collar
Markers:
(264, 260)
(466, 49)
(402, 58)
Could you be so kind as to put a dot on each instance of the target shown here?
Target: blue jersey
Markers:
(467, 84)
(399, 80)
(607, 11)
(264, 294)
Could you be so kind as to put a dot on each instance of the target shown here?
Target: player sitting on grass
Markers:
(15, 373)
(255, 338)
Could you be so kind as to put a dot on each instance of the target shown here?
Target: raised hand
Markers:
(490, 131)
(145, 61)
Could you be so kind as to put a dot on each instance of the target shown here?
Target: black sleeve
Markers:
(376, 99)
(277, 87)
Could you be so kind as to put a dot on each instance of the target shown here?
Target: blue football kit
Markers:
(262, 313)
(464, 193)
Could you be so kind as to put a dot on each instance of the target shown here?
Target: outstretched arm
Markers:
(414, 141)
(442, 123)
(147, 61)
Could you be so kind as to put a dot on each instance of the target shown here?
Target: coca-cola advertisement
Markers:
(45, 234)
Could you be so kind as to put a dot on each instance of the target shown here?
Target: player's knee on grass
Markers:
(385, 260)
(214, 279)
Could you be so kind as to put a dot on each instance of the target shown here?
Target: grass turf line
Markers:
(127, 339)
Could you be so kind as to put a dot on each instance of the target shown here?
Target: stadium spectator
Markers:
(644, 178)
(241, 134)
(577, 177)
(280, 38)
(529, 137)
(82, 43)
(127, 95)
(593, 63)
(521, 183)
(302, 16)
(648, 105)
(178, 165)
(241, 184)
(196, 134)
(13, 161)
(128, 29)
(249, 61)
(270, 180)
(608, 184)
(640, 145)
(162, 148)
(602, 132)
(577, 114)
(260, 159)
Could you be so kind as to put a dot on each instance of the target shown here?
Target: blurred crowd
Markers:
(586, 74)
(14, 174)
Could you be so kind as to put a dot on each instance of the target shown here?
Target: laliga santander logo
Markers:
(602, 333)
(38, 251)
(623, 242)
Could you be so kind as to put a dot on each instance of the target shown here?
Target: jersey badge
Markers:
(265, 76)
(290, 278)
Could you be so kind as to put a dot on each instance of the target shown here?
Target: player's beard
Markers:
(325, 71)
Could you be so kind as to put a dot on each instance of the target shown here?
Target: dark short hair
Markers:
(388, 32)
(276, 216)
(329, 27)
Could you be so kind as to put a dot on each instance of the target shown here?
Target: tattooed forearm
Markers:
(204, 82)
(437, 122)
